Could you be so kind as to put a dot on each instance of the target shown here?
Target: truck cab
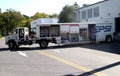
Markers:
(18, 37)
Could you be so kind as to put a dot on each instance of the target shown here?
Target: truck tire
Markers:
(108, 39)
(43, 44)
(12, 45)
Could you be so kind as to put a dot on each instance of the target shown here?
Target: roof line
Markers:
(92, 4)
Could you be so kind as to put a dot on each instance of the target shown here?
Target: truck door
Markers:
(16, 35)
(21, 34)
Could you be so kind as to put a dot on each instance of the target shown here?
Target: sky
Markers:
(30, 7)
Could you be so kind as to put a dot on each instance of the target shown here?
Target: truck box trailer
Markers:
(60, 33)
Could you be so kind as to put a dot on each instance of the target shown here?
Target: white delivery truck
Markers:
(59, 33)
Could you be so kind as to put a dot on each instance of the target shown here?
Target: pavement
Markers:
(101, 59)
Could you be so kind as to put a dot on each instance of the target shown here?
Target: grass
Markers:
(1, 36)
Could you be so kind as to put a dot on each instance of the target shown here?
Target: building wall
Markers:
(108, 11)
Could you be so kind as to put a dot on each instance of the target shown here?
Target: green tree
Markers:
(25, 22)
(67, 14)
(54, 15)
(11, 19)
(2, 23)
(40, 15)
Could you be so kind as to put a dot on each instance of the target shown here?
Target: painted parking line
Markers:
(56, 51)
(22, 54)
(70, 63)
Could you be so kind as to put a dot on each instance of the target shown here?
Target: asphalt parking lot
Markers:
(101, 59)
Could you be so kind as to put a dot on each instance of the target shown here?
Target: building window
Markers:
(96, 12)
(83, 14)
(79, 15)
(89, 13)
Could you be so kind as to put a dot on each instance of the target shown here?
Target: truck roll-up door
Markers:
(64, 33)
(54, 30)
(44, 31)
(74, 33)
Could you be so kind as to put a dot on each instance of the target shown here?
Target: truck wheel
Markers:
(43, 44)
(108, 39)
(11, 45)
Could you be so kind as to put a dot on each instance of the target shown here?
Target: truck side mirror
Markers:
(6, 33)
(15, 31)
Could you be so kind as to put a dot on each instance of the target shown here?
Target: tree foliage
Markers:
(67, 13)
(11, 19)
(40, 15)
(25, 21)
(54, 15)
